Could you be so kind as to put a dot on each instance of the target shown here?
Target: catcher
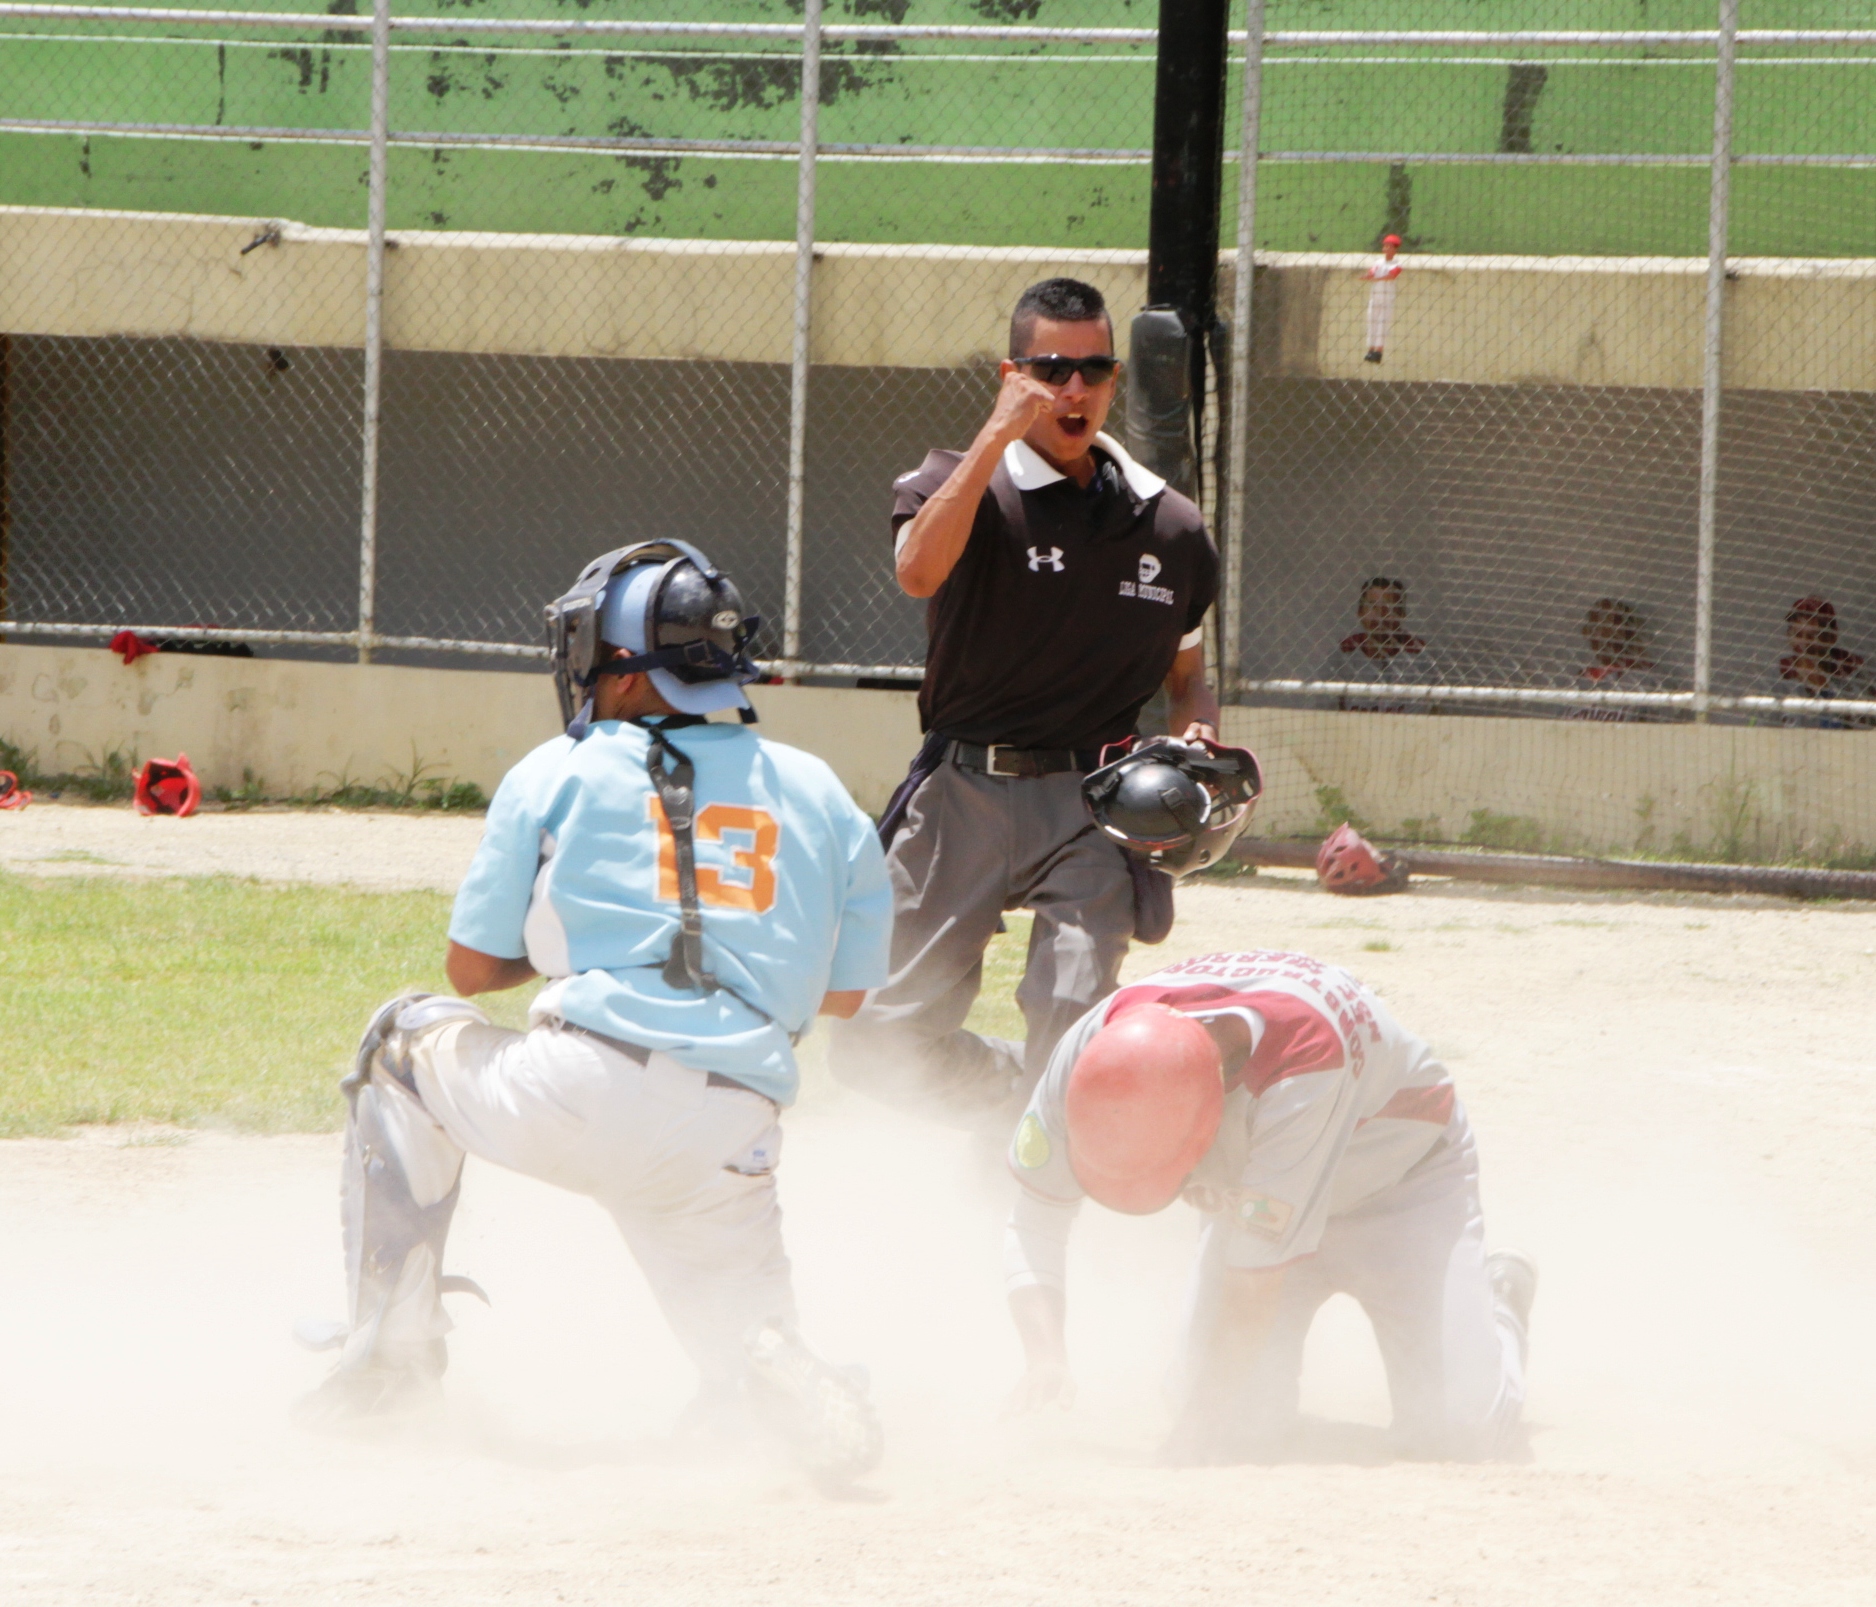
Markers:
(1326, 1150)
(694, 894)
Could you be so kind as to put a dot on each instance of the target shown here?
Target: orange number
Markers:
(757, 860)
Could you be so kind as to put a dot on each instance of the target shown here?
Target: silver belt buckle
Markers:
(991, 750)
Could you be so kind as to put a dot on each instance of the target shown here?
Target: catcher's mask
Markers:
(1348, 863)
(692, 632)
(1178, 805)
(168, 787)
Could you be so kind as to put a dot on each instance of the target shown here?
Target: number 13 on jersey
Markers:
(748, 882)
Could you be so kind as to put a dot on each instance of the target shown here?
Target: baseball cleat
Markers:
(822, 1410)
(370, 1393)
(1513, 1277)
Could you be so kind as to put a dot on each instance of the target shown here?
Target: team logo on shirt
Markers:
(1053, 558)
(1144, 587)
(1265, 1214)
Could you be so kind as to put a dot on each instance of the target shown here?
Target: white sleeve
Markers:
(1035, 1244)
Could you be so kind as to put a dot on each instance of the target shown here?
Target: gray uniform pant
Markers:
(1414, 1257)
(973, 846)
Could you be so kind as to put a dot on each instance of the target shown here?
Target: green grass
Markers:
(204, 1002)
(995, 1012)
(211, 1002)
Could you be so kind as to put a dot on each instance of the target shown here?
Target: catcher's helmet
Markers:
(1178, 805)
(1348, 863)
(678, 617)
(1142, 1106)
(168, 787)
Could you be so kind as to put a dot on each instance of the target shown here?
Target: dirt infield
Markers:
(1674, 1114)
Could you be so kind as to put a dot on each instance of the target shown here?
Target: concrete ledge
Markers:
(162, 275)
(1570, 786)
(1562, 785)
(304, 727)
(1635, 321)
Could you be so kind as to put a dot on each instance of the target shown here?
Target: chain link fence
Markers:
(357, 333)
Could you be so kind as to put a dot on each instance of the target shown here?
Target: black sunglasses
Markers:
(1052, 370)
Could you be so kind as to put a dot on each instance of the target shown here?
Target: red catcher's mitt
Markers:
(1348, 863)
(12, 794)
(168, 787)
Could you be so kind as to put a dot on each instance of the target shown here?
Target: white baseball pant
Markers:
(1413, 1255)
(1380, 312)
(686, 1167)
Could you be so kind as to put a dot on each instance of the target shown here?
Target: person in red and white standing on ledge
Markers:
(1384, 275)
(1327, 1153)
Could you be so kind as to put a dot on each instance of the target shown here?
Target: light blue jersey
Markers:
(578, 872)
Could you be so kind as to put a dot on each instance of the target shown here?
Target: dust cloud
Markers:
(1664, 1123)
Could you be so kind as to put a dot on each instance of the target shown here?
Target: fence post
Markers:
(1718, 196)
(1231, 615)
(806, 175)
(374, 325)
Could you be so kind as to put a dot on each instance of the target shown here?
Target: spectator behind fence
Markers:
(1383, 652)
(1617, 635)
(1816, 667)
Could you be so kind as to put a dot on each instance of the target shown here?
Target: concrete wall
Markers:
(303, 727)
(1567, 786)
(1552, 784)
(1487, 320)
(167, 275)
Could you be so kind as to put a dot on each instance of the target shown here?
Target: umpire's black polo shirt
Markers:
(1067, 605)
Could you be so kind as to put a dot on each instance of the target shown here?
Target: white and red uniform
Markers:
(1385, 278)
(1344, 1157)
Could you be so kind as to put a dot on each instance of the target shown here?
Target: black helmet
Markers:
(693, 626)
(1178, 805)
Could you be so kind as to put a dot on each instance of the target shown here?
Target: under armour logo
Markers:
(1149, 567)
(1053, 558)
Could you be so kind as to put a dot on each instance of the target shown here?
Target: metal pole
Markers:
(1718, 196)
(804, 308)
(374, 325)
(1231, 615)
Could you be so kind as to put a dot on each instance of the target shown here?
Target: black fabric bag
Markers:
(930, 755)
(1152, 901)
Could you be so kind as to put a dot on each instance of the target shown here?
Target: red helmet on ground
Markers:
(1142, 1106)
(168, 787)
(12, 794)
(1348, 863)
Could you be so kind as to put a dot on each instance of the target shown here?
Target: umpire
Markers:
(1067, 584)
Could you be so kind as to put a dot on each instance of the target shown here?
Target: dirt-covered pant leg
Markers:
(949, 866)
(1414, 1258)
(973, 846)
(686, 1169)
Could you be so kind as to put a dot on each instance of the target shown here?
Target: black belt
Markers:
(1000, 759)
(639, 1055)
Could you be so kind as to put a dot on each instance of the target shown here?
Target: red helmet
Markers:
(1348, 863)
(1142, 1105)
(168, 787)
(12, 794)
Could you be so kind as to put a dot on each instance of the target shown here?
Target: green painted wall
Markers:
(1098, 95)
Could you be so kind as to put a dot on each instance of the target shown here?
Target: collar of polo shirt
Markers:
(1030, 471)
